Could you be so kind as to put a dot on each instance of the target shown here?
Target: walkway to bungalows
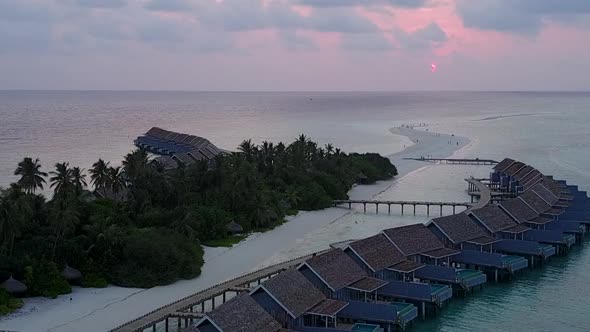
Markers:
(477, 188)
(455, 161)
(377, 203)
(182, 308)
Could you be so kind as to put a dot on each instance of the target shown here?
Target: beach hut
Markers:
(234, 228)
(241, 313)
(71, 274)
(14, 286)
(361, 178)
(295, 302)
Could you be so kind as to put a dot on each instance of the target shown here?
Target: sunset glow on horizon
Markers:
(263, 44)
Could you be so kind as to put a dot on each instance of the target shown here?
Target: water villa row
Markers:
(387, 281)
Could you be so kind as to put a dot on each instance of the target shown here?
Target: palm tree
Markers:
(64, 217)
(329, 149)
(31, 175)
(78, 179)
(116, 181)
(99, 174)
(135, 164)
(14, 212)
(248, 149)
(62, 179)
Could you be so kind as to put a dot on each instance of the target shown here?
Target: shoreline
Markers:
(105, 308)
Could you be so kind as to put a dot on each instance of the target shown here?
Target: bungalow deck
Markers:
(461, 280)
(493, 263)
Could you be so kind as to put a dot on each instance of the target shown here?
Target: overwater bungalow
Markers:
(381, 259)
(295, 302)
(241, 313)
(420, 245)
(522, 213)
(511, 234)
(336, 275)
(461, 232)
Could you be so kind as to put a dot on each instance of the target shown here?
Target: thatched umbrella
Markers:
(69, 273)
(234, 228)
(14, 286)
(362, 178)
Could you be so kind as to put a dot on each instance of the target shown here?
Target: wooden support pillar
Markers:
(178, 323)
(186, 322)
(365, 207)
(453, 209)
(441, 210)
(154, 327)
(414, 209)
(166, 329)
(377, 208)
(203, 307)
(223, 297)
(213, 302)
(423, 310)
(496, 275)
(427, 209)
(402, 209)
(388, 208)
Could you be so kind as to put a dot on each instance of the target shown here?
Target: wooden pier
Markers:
(455, 161)
(477, 188)
(350, 202)
(184, 312)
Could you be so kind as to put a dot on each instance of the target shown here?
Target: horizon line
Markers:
(286, 91)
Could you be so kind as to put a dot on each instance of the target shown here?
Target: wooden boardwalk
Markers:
(179, 309)
(377, 203)
(456, 161)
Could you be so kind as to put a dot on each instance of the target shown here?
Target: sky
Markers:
(301, 45)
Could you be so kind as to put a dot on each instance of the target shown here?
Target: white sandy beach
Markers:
(103, 309)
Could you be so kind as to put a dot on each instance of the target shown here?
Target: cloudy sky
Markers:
(295, 44)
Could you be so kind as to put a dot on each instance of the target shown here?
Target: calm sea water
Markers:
(547, 130)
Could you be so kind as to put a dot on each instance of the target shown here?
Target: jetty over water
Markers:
(386, 281)
(402, 204)
(457, 161)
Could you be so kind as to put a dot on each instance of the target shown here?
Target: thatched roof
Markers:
(523, 172)
(377, 252)
(336, 268)
(69, 273)
(504, 164)
(14, 286)
(242, 314)
(493, 218)
(519, 210)
(368, 284)
(328, 307)
(459, 228)
(535, 202)
(514, 168)
(293, 291)
(407, 266)
(545, 193)
(234, 227)
(413, 239)
(441, 253)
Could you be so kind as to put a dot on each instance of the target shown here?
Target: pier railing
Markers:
(175, 308)
(377, 203)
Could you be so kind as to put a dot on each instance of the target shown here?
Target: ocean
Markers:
(545, 129)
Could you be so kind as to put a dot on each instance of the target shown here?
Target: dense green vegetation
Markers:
(147, 228)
